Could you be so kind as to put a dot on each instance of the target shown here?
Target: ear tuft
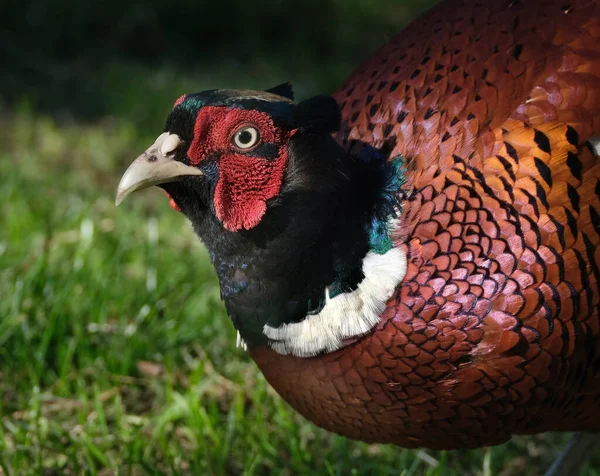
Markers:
(284, 89)
(319, 113)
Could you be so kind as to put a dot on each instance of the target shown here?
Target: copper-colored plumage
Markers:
(495, 329)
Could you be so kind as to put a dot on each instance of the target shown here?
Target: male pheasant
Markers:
(428, 275)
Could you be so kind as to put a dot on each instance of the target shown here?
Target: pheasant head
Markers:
(288, 216)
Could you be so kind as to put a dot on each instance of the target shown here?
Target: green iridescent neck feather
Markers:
(387, 210)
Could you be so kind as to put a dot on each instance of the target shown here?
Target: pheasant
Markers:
(416, 260)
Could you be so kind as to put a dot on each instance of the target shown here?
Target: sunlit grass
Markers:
(116, 355)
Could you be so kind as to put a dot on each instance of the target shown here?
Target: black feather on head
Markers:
(283, 89)
(318, 114)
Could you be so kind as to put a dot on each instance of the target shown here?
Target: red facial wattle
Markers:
(245, 184)
(180, 99)
(172, 203)
(246, 181)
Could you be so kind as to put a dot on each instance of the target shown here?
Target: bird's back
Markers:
(495, 107)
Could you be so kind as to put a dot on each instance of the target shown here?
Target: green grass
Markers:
(116, 355)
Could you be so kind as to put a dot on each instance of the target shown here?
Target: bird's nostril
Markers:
(152, 158)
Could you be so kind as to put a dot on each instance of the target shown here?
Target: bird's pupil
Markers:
(245, 137)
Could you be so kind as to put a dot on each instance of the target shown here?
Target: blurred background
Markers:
(116, 356)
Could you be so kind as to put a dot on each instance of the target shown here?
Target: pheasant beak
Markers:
(155, 166)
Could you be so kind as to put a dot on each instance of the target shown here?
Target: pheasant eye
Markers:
(246, 137)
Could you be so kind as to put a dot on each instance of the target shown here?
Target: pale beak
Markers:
(155, 166)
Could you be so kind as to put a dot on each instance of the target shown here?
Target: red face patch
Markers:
(172, 203)
(180, 99)
(246, 180)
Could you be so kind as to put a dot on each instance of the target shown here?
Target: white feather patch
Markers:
(345, 315)
(595, 143)
(239, 342)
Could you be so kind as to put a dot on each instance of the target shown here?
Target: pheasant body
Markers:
(492, 324)
(495, 328)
